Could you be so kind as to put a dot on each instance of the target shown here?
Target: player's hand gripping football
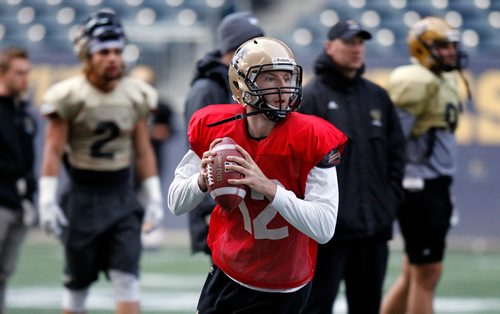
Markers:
(206, 159)
(253, 177)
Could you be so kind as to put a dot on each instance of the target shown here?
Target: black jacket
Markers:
(372, 164)
(17, 132)
(210, 85)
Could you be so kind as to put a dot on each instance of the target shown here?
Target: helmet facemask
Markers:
(255, 96)
(439, 64)
(256, 57)
(427, 36)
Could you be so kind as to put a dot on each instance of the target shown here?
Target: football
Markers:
(228, 196)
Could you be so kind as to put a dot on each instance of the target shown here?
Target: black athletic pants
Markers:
(361, 264)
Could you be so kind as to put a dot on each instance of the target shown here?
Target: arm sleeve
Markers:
(184, 194)
(407, 121)
(316, 214)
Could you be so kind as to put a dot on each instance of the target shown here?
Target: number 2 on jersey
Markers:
(104, 127)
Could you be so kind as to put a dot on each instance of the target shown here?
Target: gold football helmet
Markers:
(426, 35)
(259, 55)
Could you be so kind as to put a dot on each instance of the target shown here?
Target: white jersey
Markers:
(100, 124)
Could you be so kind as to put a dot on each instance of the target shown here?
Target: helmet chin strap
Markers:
(470, 103)
(238, 116)
(461, 62)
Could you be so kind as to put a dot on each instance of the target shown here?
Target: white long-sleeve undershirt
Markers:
(315, 215)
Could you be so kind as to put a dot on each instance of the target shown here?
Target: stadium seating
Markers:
(171, 34)
(34, 21)
(388, 20)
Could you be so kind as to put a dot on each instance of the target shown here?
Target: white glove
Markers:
(52, 218)
(153, 204)
(413, 184)
(29, 213)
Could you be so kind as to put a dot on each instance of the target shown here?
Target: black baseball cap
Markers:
(347, 29)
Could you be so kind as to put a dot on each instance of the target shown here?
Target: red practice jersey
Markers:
(254, 244)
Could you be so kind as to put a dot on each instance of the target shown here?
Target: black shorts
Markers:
(104, 233)
(220, 294)
(424, 219)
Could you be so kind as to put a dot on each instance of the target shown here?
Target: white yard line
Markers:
(101, 298)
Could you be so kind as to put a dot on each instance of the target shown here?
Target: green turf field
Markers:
(172, 279)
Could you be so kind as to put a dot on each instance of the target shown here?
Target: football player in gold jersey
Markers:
(427, 98)
(97, 125)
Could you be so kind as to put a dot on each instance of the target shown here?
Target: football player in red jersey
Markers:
(264, 252)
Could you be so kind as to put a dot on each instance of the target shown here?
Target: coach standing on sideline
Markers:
(370, 173)
(17, 184)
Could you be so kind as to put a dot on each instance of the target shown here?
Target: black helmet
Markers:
(100, 27)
